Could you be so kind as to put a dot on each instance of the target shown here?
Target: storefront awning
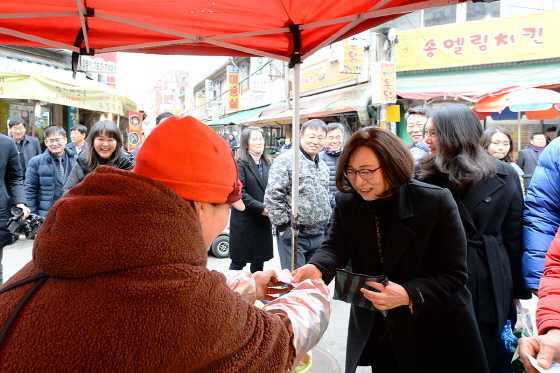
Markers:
(474, 84)
(323, 104)
(239, 118)
(62, 90)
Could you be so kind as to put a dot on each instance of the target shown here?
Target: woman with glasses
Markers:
(385, 223)
(250, 238)
(105, 149)
(488, 194)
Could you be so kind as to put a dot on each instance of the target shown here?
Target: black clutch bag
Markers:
(347, 288)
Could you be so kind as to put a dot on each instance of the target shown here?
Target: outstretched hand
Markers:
(390, 296)
(308, 271)
(544, 348)
(268, 285)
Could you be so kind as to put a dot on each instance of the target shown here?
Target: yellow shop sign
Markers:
(530, 37)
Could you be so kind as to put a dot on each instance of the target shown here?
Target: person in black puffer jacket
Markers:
(333, 147)
(105, 149)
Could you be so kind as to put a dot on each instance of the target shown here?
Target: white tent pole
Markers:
(295, 164)
(518, 131)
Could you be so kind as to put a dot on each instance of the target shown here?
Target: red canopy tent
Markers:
(287, 30)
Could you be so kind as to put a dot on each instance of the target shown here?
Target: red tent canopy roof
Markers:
(198, 27)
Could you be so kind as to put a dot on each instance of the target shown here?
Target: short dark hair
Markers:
(392, 153)
(314, 124)
(486, 139)
(532, 137)
(419, 111)
(551, 129)
(164, 115)
(335, 126)
(54, 130)
(79, 127)
(16, 121)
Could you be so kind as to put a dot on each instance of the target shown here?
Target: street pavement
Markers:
(328, 356)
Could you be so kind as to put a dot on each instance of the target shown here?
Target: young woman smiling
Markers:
(106, 149)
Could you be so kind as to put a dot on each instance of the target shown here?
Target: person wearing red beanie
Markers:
(131, 292)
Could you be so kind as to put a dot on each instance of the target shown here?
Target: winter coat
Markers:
(250, 237)
(418, 150)
(30, 148)
(314, 208)
(43, 185)
(72, 147)
(425, 252)
(548, 311)
(331, 159)
(492, 218)
(124, 162)
(527, 160)
(11, 186)
(131, 293)
(542, 213)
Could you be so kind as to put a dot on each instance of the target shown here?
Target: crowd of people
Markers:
(459, 228)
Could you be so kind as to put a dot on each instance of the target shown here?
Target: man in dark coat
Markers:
(11, 190)
(48, 172)
(78, 135)
(333, 147)
(27, 146)
(528, 157)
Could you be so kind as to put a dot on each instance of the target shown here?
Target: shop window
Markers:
(410, 21)
(442, 15)
(513, 8)
(482, 11)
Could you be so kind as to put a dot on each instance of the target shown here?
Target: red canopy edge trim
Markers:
(38, 15)
(82, 10)
(38, 39)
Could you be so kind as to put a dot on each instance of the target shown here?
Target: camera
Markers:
(30, 226)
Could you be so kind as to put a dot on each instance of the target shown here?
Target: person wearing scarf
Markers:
(333, 148)
(528, 157)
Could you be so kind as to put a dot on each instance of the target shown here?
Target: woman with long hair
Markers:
(490, 201)
(250, 238)
(106, 148)
(387, 224)
(497, 142)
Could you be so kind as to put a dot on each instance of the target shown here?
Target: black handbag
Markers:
(347, 288)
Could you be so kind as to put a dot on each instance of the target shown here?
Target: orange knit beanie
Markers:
(192, 160)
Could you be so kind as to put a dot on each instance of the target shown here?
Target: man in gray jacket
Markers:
(314, 208)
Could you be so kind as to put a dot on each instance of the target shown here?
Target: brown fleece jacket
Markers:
(130, 291)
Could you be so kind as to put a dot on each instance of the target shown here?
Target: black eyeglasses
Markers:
(364, 174)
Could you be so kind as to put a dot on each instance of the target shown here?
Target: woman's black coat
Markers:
(425, 252)
(250, 237)
(492, 216)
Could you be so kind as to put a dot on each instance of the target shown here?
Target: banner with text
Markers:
(233, 86)
(134, 130)
(529, 37)
(352, 61)
(384, 82)
(209, 90)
